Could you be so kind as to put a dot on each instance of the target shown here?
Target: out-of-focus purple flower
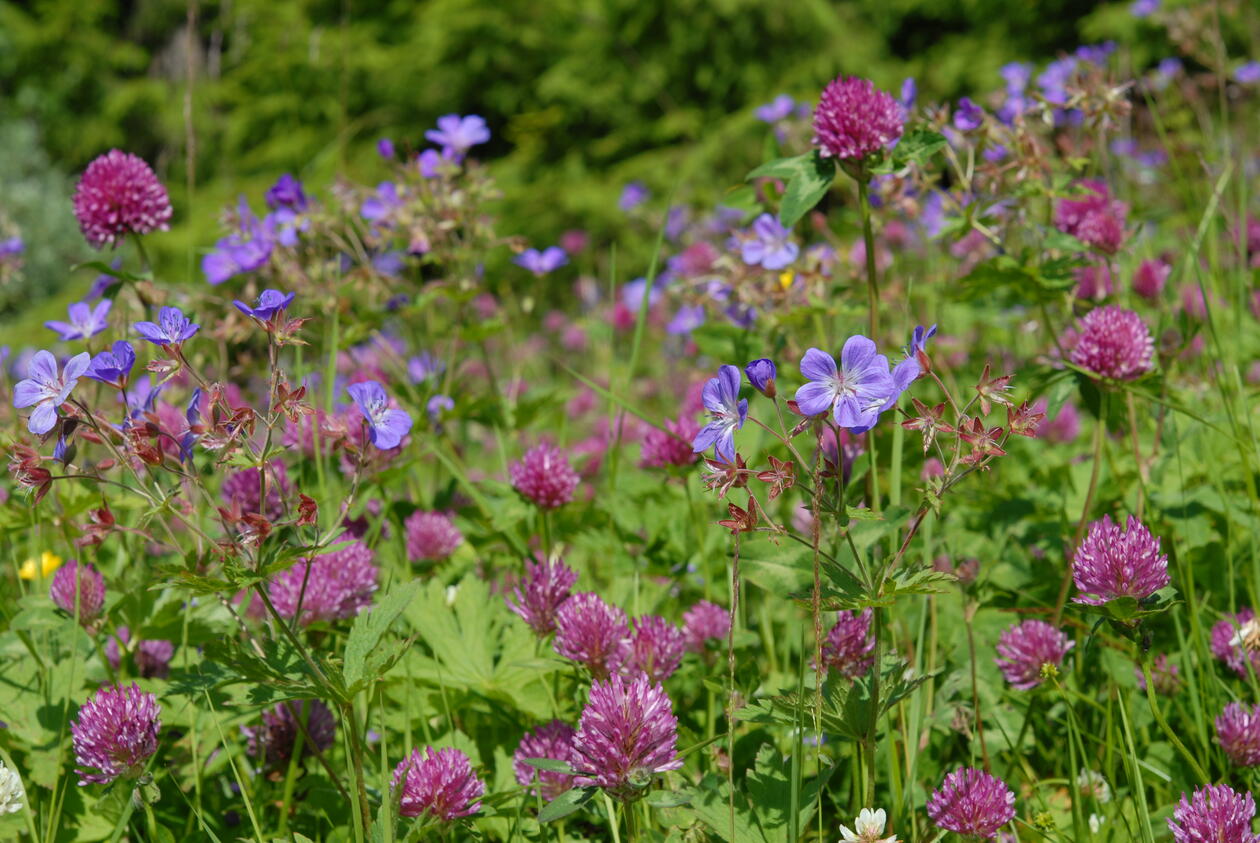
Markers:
(456, 135)
(270, 304)
(671, 445)
(854, 119)
(1016, 75)
(287, 192)
(431, 162)
(47, 389)
(332, 586)
(1096, 219)
(387, 426)
(248, 248)
(385, 148)
(1143, 8)
(380, 206)
(1096, 53)
(552, 740)
(850, 647)
(545, 476)
(1238, 733)
(1054, 80)
(1114, 343)
(243, 488)
(1026, 648)
(389, 263)
(172, 328)
(1164, 674)
(1150, 277)
(423, 366)
(1214, 813)
(540, 593)
(153, 658)
(761, 374)
(114, 366)
(273, 741)
(84, 321)
(633, 195)
(1063, 428)
(856, 391)
(972, 803)
(540, 263)
(118, 194)
(1169, 68)
(909, 95)
(11, 247)
(79, 589)
(767, 244)
(686, 320)
(592, 633)
(437, 783)
(115, 734)
(1230, 637)
(1093, 282)
(431, 536)
(627, 734)
(656, 648)
(968, 116)
(705, 622)
(779, 108)
(438, 406)
(1247, 73)
(1112, 563)
(727, 413)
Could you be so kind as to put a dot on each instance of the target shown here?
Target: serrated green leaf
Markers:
(550, 764)
(365, 658)
(805, 188)
(780, 168)
(566, 803)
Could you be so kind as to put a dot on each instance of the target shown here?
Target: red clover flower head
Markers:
(1114, 343)
(242, 488)
(272, 742)
(1238, 732)
(431, 536)
(972, 803)
(79, 582)
(118, 194)
(705, 622)
(541, 592)
(115, 734)
(1231, 638)
(593, 633)
(439, 783)
(552, 740)
(850, 647)
(1113, 562)
(854, 119)
(1026, 647)
(544, 476)
(1095, 219)
(329, 587)
(671, 446)
(627, 733)
(1214, 813)
(656, 648)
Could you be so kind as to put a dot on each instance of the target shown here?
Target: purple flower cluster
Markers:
(705, 622)
(544, 476)
(1096, 219)
(627, 734)
(541, 592)
(854, 119)
(972, 803)
(1215, 813)
(1026, 648)
(79, 588)
(333, 586)
(1229, 640)
(592, 633)
(153, 658)
(273, 741)
(856, 391)
(850, 647)
(437, 783)
(656, 648)
(1238, 732)
(552, 740)
(431, 536)
(115, 734)
(1112, 563)
(1114, 343)
(118, 195)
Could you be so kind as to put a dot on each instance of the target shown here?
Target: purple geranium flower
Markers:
(388, 425)
(969, 116)
(632, 195)
(457, 134)
(385, 148)
(856, 392)
(286, 193)
(686, 319)
(114, 366)
(540, 263)
(779, 108)
(382, 204)
(768, 244)
(431, 162)
(1143, 8)
(1248, 73)
(172, 327)
(761, 374)
(270, 302)
(438, 406)
(47, 389)
(85, 321)
(245, 250)
(727, 413)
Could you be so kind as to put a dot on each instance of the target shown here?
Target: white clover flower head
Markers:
(869, 826)
(12, 795)
(1092, 783)
(1095, 823)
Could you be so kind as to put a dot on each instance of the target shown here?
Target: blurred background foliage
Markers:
(582, 95)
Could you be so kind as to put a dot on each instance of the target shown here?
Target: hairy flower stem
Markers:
(1137, 454)
(1163, 724)
(730, 699)
(868, 237)
(1100, 434)
(969, 613)
(356, 756)
(868, 745)
(815, 534)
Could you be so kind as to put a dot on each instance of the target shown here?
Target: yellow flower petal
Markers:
(786, 278)
(49, 562)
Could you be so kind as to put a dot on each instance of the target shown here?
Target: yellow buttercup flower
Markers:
(48, 562)
(786, 278)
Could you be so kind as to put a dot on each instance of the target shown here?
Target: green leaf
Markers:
(805, 188)
(780, 168)
(566, 803)
(918, 147)
(667, 799)
(366, 660)
(550, 764)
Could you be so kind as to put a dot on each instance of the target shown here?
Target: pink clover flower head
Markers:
(854, 119)
(850, 647)
(705, 622)
(591, 632)
(329, 587)
(627, 734)
(1214, 813)
(544, 476)
(1238, 733)
(115, 734)
(1026, 647)
(431, 536)
(439, 783)
(1114, 343)
(81, 583)
(552, 740)
(1095, 219)
(118, 194)
(541, 592)
(656, 647)
(972, 803)
(273, 740)
(1112, 563)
